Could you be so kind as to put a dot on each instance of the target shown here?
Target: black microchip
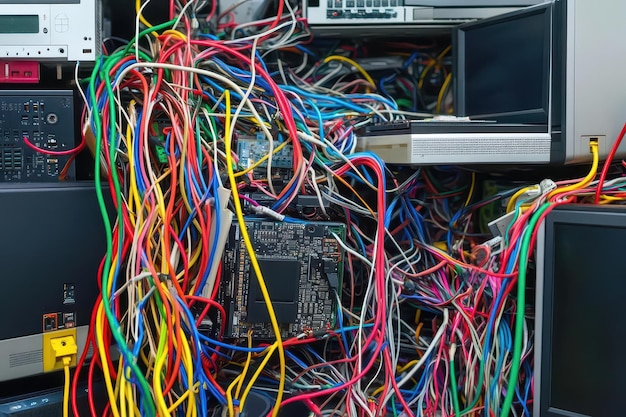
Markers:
(282, 278)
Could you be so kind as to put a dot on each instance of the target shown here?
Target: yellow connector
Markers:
(593, 142)
(59, 349)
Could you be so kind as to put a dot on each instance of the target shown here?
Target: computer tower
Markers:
(52, 243)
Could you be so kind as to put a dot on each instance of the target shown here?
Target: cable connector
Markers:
(498, 226)
(531, 194)
(452, 350)
(59, 349)
(495, 245)
(262, 210)
(546, 186)
(64, 346)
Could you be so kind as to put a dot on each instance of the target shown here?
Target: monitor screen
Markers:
(503, 66)
(581, 335)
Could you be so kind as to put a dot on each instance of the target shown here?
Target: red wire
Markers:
(90, 342)
(77, 149)
(283, 104)
(399, 395)
(380, 316)
(607, 163)
(208, 303)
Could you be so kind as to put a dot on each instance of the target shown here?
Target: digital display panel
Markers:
(19, 23)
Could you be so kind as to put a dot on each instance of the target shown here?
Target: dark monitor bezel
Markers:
(539, 115)
(573, 214)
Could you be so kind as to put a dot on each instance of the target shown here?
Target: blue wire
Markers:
(199, 369)
(341, 330)
(231, 347)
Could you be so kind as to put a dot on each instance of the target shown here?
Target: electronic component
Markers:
(376, 16)
(46, 119)
(48, 401)
(302, 267)
(242, 12)
(19, 72)
(499, 226)
(579, 291)
(457, 142)
(546, 52)
(301, 201)
(60, 30)
(251, 150)
(52, 244)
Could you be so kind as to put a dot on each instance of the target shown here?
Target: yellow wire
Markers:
(398, 371)
(121, 388)
(444, 52)
(246, 366)
(442, 92)
(407, 366)
(511, 204)
(431, 64)
(132, 407)
(253, 260)
(377, 391)
(471, 191)
(103, 359)
(134, 201)
(229, 396)
(239, 380)
(143, 19)
(260, 161)
(609, 199)
(427, 68)
(593, 148)
(188, 361)
(182, 398)
(66, 388)
(354, 64)
(260, 369)
(159, 364)
(175, 34)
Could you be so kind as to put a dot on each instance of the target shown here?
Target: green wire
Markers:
(481, 376)
(455, 390)
(393, 406)
(404, 103)
(519, 312)
(115, 330)
(147, 31)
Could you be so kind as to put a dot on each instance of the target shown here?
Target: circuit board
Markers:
(251, 150)
(302, 267)
(44, 118)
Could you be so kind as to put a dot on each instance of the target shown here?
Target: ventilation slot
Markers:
(25, 358)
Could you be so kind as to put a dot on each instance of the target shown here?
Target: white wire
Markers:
(440, 332)
(317, 190)
(137, 24)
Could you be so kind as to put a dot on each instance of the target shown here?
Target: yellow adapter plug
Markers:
(57, 346)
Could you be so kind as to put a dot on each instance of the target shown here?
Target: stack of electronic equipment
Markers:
(52, 239)
(226, 216)
(525, 99)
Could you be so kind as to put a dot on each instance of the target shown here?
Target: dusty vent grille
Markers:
(25, 358)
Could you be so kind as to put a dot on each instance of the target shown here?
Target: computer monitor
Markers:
(503, 67)
(539, 65)
(580, 331)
